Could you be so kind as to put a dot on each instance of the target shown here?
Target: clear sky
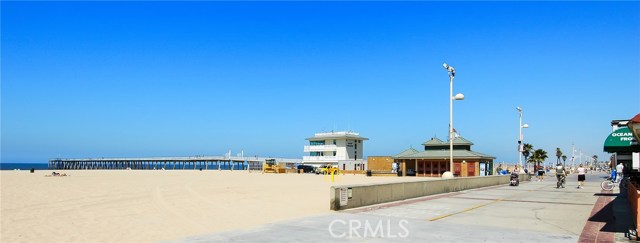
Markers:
(111, 79)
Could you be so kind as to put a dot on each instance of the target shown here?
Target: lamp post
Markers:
(520, 144)
(452, 75)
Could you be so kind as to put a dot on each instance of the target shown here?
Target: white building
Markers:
(341, 149)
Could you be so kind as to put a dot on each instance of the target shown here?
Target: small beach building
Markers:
(343, 150)
(434, 160)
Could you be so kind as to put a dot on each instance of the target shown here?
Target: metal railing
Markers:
(319, 148)
(319, 158)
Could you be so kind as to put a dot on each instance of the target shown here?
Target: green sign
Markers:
(618, 139)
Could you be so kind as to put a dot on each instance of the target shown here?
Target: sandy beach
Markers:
(147, 206)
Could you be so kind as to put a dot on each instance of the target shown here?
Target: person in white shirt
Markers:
(619, 169)
(581, 176)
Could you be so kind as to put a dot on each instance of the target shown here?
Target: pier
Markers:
(166, 163)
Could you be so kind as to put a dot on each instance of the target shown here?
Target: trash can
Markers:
(368, 172)
(32, 170)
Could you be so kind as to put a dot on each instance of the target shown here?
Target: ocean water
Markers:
(23, 166)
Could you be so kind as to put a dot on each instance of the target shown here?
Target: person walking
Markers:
(581, 176)
(540, 173)
(619, 169)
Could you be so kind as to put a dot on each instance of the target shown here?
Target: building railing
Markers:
(320, 148)
(319, 158)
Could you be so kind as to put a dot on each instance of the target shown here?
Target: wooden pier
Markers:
(165, 163)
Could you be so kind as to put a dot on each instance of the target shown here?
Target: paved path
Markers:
(532, 212)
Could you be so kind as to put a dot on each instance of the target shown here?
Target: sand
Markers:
(146, 206)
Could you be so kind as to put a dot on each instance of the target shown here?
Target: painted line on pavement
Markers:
(528, 201)
(476, 207)
(465, 210)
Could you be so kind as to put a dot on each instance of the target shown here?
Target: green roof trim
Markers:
(461, 141)
(407, 152)
(456, 141)
(434, 141)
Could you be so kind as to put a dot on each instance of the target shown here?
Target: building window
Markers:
(334, 142)
(316, 142)
(334, 153)
(356, 146)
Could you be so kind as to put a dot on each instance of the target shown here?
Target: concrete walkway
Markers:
(533, 212)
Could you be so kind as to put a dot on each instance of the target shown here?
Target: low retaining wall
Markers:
(346, 197)
(634, 201)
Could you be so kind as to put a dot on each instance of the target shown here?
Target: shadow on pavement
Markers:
(615, 215)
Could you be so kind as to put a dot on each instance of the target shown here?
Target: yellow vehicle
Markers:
(270, 166)
(326, 170)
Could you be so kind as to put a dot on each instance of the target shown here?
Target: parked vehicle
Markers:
(307, 168)
(326, 169)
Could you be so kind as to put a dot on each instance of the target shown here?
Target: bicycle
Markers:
(561, 181)
(609, 184)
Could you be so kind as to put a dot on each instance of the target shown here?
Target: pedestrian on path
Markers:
(581, 176)
(540, 173)
(619, 169)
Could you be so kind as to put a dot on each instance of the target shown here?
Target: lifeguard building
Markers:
(340, 149)
(434, 160)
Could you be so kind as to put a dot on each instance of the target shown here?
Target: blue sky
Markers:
(111, 79)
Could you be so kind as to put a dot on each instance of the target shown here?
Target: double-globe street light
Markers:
(520, 144)
(452, 74)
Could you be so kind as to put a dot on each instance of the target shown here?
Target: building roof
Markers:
(434, 141)
(407, 152)
(456, 141)
(461, 141)
(442, 154)
(337, 135)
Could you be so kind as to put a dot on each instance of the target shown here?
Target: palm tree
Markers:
(526, 151)
(538, 156)
(558, 154)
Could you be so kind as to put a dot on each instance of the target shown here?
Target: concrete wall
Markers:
(365, 195)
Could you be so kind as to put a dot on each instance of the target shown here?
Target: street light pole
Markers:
(452, 75)
(520, 144)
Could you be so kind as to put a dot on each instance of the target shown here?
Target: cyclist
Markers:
(560, 175)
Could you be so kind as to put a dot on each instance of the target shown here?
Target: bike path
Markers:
(533, 212)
